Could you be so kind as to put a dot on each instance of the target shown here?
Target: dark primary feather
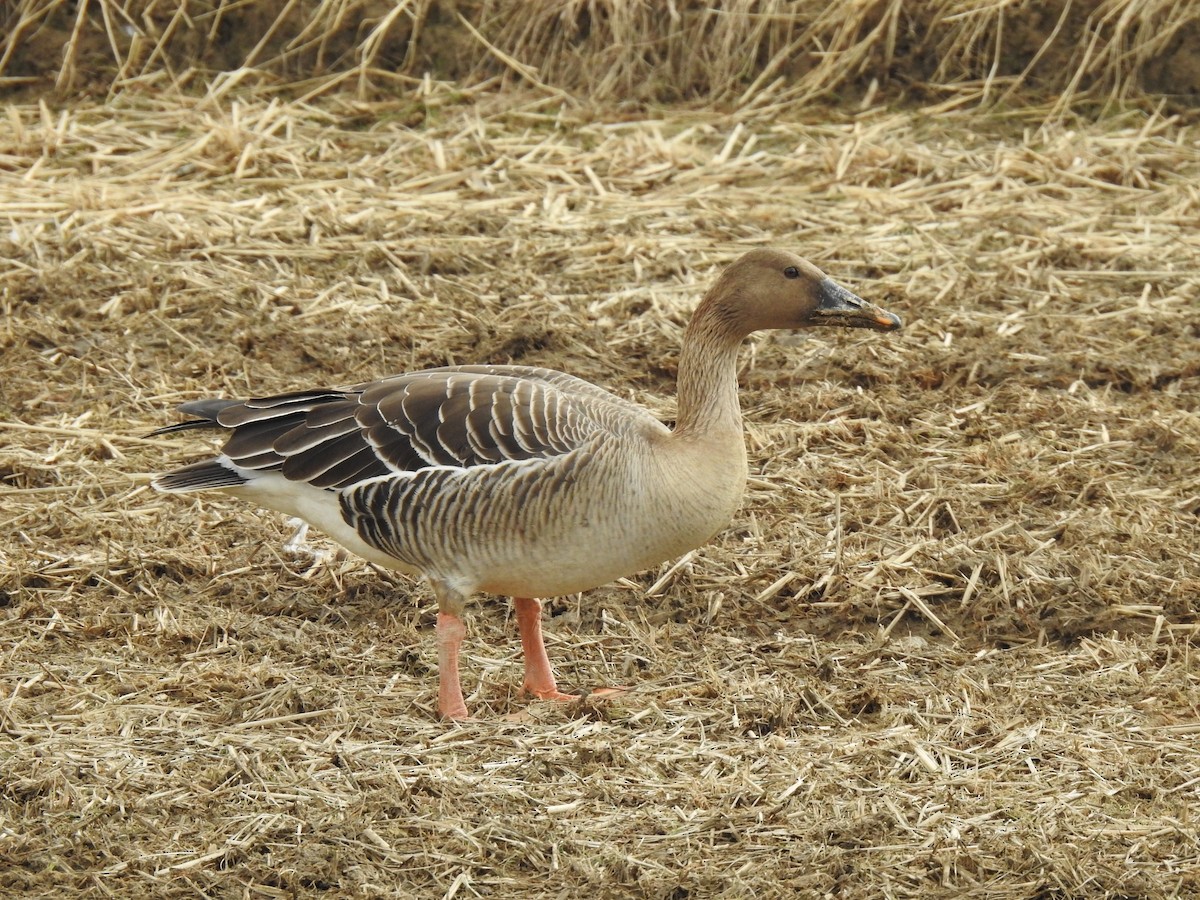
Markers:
(454, 417)
(184, 426)
(208, 410)
(201, 476)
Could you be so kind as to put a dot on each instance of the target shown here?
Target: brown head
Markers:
(775, 289)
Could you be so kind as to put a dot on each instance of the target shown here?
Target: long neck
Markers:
(707, 384)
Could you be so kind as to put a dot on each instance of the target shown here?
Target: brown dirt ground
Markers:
(946, 650)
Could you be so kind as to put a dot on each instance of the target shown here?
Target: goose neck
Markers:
(707, 385)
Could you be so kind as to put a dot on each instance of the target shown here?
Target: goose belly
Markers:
(538, 530)
(582, 546)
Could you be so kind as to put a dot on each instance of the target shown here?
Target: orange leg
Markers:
(450, 634)
(539, 677)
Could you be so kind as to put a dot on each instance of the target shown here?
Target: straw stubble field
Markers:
(946, 650)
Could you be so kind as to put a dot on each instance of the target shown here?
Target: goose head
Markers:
(774, 289)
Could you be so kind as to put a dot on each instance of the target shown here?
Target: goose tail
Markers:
(212, 474)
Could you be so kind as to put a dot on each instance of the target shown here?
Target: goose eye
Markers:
(791, 272)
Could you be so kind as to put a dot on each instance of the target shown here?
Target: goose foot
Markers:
(527, 714)
(555, 694)
(602, 693)
(539, 677)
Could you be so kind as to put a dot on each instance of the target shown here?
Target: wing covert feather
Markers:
(455, 417)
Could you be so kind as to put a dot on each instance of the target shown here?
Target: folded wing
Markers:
(455, 417)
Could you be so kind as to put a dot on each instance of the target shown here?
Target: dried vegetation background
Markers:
(947, 650)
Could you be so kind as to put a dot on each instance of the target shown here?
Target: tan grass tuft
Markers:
(744, 54)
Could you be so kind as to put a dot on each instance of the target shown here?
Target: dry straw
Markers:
(747, 54)
(948, 649)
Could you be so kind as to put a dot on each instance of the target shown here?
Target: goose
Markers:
(516, 480)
